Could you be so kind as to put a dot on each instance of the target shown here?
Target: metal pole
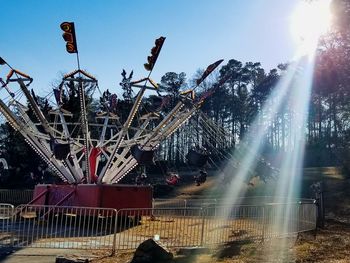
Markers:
(115, 232)
(12, 226)
(203, 224)
(263, 223)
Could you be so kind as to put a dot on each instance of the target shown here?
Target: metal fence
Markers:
(208, 226)
(6, 214)
(111, 230)
(61, 227)
(16, 196)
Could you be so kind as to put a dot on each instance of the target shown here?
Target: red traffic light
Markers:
(151, 60)
(69, 37)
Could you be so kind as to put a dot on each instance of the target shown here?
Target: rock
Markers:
(151, 251)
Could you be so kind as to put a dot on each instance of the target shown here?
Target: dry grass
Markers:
(331, 244)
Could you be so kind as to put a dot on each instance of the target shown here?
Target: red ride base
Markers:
(91, 195)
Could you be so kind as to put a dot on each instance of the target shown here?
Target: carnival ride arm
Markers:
(122, 133)
(35, 144)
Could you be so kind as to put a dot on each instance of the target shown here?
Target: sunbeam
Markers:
(289, 180)
(292, 91)
(245, 160)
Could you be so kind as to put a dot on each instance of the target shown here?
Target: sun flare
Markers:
(309, 21)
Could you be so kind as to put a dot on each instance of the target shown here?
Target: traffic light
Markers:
(69, 37)
(151, 60)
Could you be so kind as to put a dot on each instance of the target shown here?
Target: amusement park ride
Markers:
(92, 155)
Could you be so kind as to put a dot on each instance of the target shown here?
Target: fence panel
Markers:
(307, 217)
(175, 227)
(226, 223)
(64, 227)
(212, 225)
(283, 219)
(6, 214)
(15, 196)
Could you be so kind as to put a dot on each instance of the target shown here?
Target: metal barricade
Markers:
(173, 229)
(16, 196)
(6, 214)
(64, 227)
(213, 225)
(284, 219)
(232, 223)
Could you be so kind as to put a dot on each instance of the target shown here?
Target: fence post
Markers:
(185, 205)
(115, 232)
(216, 204)
(317, 188)
(203, 224)
(264, 215)
(12, 224)
(321, 210)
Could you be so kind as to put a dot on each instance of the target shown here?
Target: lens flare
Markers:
(309, 21)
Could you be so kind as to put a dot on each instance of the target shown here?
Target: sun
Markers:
(309, 21)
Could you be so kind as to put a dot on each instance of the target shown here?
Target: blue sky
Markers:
(117, 34)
